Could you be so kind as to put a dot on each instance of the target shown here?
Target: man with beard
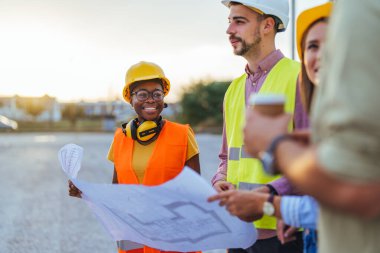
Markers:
(253, 25)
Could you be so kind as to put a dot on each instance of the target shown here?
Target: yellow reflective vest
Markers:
(242, 168)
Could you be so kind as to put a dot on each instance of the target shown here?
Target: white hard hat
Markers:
(277, 8)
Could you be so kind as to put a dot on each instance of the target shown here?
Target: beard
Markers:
(245, 46)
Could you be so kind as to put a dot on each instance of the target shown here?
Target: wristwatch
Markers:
(267, 157)
(268, 207)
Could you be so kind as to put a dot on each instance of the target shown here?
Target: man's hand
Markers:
(74, 191)
(246, 205)
(221, 186)
(285, 233)
(262, 189)
(260, 130)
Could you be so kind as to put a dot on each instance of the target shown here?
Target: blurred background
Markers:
(63, 63)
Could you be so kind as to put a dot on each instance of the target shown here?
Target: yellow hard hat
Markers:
(144, 71)
(308, 17)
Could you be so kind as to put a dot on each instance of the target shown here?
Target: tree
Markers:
(35, 109)
(72, 112)
(202, 104)
(32, 106)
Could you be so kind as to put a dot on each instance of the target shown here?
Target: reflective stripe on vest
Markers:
(167, 161)
(282, 79)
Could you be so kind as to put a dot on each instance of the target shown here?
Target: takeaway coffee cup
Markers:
(268, 104)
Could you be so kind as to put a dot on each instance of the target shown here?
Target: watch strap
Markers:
(271, 198)
(272, 147)
(272, 190)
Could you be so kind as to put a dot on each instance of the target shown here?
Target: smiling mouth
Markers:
(149, 108)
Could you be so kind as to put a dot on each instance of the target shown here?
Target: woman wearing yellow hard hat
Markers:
(311, 33)
(149, 150)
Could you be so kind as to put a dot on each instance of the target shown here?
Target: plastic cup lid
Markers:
(266, 99)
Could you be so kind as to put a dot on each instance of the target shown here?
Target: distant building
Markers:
(47, 108)
(19, 108)
(119, 109)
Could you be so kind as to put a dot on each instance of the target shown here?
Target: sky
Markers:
(81, 49)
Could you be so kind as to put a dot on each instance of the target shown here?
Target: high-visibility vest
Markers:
(166, 162)
(241, 167)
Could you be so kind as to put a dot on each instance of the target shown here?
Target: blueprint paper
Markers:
(174, 216)
(70, 157)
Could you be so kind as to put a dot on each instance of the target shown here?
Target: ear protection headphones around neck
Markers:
(144, 132)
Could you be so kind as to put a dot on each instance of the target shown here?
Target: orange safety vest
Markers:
(166, 162)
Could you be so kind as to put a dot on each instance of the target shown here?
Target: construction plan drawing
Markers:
(174, 216)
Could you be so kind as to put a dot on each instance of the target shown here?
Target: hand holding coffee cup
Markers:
(260, 120)
(266, 119)
(268, 104)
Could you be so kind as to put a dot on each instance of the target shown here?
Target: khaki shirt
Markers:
(346, 118)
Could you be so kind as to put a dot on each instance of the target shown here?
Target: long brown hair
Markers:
(306, 86)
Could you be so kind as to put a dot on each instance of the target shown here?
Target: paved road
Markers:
(36, 215)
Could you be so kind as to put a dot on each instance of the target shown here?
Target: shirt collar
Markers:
(266, 64)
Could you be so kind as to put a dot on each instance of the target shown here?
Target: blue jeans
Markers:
(310, 240)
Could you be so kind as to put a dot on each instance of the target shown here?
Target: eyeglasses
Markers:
(142, 95)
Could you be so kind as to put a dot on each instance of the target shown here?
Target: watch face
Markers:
(267, 161)
(268, 208)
